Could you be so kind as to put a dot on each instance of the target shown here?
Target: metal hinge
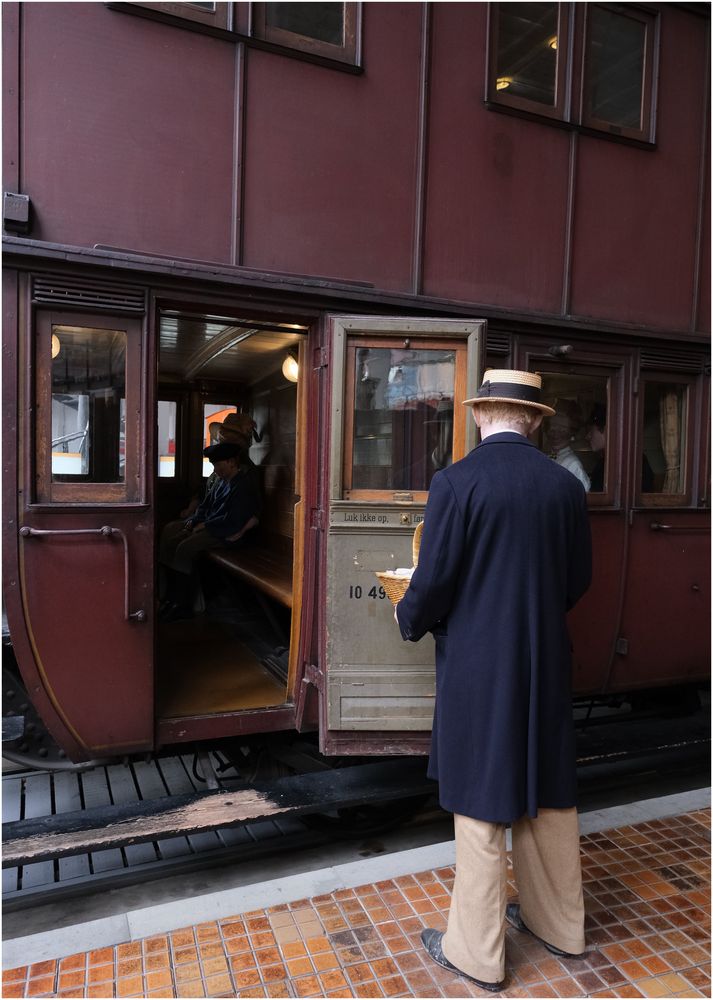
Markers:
(320, 358)
(313, 675)
(622, 647)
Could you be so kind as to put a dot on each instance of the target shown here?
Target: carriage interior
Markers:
(236, 651)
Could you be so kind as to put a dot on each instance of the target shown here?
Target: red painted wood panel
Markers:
(497, 185)
(703, 319)
(127, 131)
(666, 615)
(330, 157)
(593, 622)
(11, 97)
(95, 667)
(636, 210)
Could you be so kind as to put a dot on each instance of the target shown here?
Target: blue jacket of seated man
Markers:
(229, 505)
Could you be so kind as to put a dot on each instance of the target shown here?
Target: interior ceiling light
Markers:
(55, 345)
(290, 368)
(503, 82)
(553, 42)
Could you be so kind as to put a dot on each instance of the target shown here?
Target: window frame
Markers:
(684, 498)
(570, 111)
(177, 399)
(559, 111)
(133, 488)
(645, 132)
(614, 367)
(218, 18)
(348, 52)
(360, 340)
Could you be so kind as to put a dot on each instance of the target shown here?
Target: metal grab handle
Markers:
(107, 532)
(657, 526)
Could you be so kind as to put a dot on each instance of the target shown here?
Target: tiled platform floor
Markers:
(647, 892)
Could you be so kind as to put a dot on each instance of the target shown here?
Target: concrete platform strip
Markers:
(164, 918)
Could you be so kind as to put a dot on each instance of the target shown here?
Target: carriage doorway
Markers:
(233, 656)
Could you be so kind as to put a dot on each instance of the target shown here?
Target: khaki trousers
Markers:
(545, 854)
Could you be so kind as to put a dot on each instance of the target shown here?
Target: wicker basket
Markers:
(396, 586)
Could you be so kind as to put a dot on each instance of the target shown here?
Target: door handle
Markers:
(106, 532)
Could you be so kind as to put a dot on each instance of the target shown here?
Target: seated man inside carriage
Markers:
(229, 511)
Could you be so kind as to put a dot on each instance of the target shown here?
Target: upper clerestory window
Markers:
(584, 65)
(325, 29)
(325, 33)
(215, 14)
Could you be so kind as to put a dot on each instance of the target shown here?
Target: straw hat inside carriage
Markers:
(505, 385)
(237, 428)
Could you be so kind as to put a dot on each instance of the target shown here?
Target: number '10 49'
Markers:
(376, 593)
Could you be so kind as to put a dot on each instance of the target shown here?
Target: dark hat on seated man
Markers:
(219, 452)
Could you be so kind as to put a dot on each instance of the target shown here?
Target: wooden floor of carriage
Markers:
(647, 894)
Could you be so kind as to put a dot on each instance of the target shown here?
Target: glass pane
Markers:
(213, 416)
(88, 404)
(576, 437)
(323, 21)
(203, 6)
(664, 438)
(403, 419)
(615, 67)
(167, 412)
(527, 51)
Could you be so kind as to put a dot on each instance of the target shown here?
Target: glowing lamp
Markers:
(290, 368)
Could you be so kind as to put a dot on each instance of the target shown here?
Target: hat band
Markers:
(508, 390)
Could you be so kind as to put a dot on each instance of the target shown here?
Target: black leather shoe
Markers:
(512, 915)
(432, 939)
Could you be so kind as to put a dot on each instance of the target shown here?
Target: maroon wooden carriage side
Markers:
(194, 193)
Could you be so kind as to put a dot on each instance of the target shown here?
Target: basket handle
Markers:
(416, 542)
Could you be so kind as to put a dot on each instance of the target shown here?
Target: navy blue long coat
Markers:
(505, 553)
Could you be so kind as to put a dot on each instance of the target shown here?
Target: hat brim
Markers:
(541, 407)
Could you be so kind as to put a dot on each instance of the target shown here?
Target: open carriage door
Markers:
(396, 419)
(82, 617)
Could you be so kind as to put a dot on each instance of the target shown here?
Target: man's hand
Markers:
(396, 617)
(198, 527)
(246, 527)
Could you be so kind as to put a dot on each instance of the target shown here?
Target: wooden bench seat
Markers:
(266, 568)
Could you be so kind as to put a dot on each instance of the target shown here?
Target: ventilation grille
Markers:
(88, 294)
(680, 360)
(498, 343)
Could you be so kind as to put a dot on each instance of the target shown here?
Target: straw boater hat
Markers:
(501, 385)
(237, 428)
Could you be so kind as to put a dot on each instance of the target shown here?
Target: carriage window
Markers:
(167, 414)
(88, 405)
(664, 438)
(617, 71)
(215, 14)
(576, 437)
(529, 43)
(213, 416)
(328, 29)
(402, 422)
(530, 67)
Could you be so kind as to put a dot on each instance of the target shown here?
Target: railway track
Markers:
(57, 805)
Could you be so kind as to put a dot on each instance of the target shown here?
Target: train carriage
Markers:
(133, 322)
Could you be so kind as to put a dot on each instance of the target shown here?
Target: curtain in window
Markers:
(670, 419)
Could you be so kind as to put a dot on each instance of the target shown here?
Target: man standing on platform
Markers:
(505, 554)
